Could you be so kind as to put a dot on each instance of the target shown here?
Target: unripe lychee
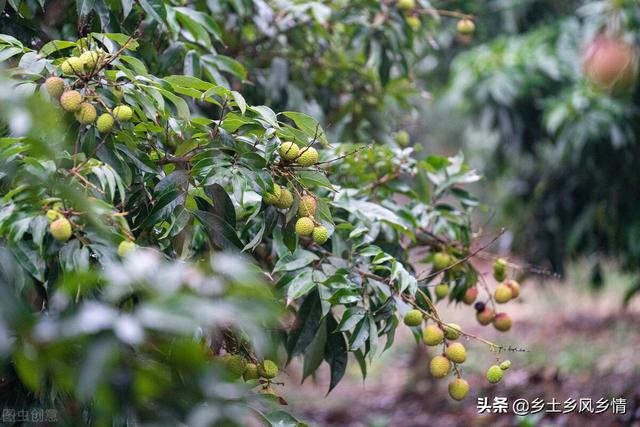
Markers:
(86, 114)
(307, 206)
(441, 260)
(485, 316)
(70, 100)
(307, 157)
(272, 197)
(60, 229)
(456, 352)
(466, 26)
(235, 364)
(432, 335)
(123, 113)
(406, 4)
(515, 288)
(118, 92)
(105, 123)
(125, 247)
(413, 22)
(288, 150)
(500, 269)
(54, 86)
(610, 63)
(440, 366)
(320, 234)
(442, 290)
(285, 200)
(402, 138)
(90, 59)
(73, 65)
(502, 322)
(413, 318)
(452, 331)
(52, 215)
(505, 365)
(251, 372)
(268, 369)
(304, 226)
(470, 295)
(494, 374)
(458, 389)
(502, 294)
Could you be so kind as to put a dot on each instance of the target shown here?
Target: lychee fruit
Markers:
(610, 63)
(466, 26)
(125, 247)
(60, 229)
(502, 294)
(52, 215)
(70, 100)
(118, 92)
(304, 226)
(308, 156)
(494, 374)
(268, 369)
(90, 59)
(272, 197)
(320, 234)
(73, 65)
(307, 206)
(485, 316)
(456, 352)
(441, 260)
(413, 318)
(251, 372)
(505, 365)
(500, 269)
(413, 22)
(54, 86)
(285, 200)
(105, 123)
(402, 138)
(502, 322)
(123, 113)
(86, 114)
(440, 366)
(288, 150)
(452, 331)
(235, 364)
(406, 4)
(432, 335)
(515, 288)
(470, 295)
(458, 389)
(442, 290)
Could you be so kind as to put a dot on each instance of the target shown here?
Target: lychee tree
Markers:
(167, 247)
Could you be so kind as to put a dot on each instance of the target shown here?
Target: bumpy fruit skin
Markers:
(402, 137)
(52, 215)
(502, 322)
(610, 63)
(440, 367)
(307, 157)
(406, 4)
(70, 100)
(470, 295)
(73, 65)
(307, 206)
(268, 369)
(413, 318)
(251, 372)
(125, 247)
(505, 365)
(452, 331)
(272, 197)
(441, 260)
(458, 389)
(413, 22)
(123, 113)
(502, 294)
(320, 234)
(90, 60)
(304, 226)
(515, 288)
(285, 200)
(60, 229)
(432, 335)
(235, 364)
(500, 269)
(105, 123)
(456, 353)
(485, 316)
(54, 86)
(494, 374)
(442, 290)
(289, 150)
(86, 114)
(466, 26)
(118, 92)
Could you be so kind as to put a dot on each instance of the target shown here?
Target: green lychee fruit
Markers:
(442, 290)
(406, 4)
(307, 157)
(118, 92)
(502, 322)
(272, 197)
(466, 26)
(235, 364)
(413, 22)
(413, 318)
(105, 123)
(91, 60)
(456, 353)
(402, 138)
(307, 206)
(60, 229)
(515, 288)
(320, 234)
(432, 335)
(86, 114)
(500, 269)
(52, 215)
(285, 200)
(251, 372)
(494, 374)
(70, 100)
(441, 260)
(73, 65)
(452, 331)
(123, 113)
(304, 226)
(125, 247)
(470, 295)
(502, 294)
(505, 365)
(268, 369)
(54, 86)
(288, 150)
(458, 389)
(485, 316)
(440, 366)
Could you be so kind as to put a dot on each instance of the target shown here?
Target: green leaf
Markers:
(314, 355)
(220, 233)
(222, 204)
(300, 285)
(335, 353)
(313, 179)
(54, 46)
(294, 261)
(309, 126)
(307, 324)
(155, 9)
(29, 259)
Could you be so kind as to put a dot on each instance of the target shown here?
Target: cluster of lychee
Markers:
(73, 101)
(283, 198)
(238, 367)
(465, 26)
(507, 290)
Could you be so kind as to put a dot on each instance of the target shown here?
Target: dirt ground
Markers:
(580, 345)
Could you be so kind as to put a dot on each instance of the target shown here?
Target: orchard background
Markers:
(214, 213)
